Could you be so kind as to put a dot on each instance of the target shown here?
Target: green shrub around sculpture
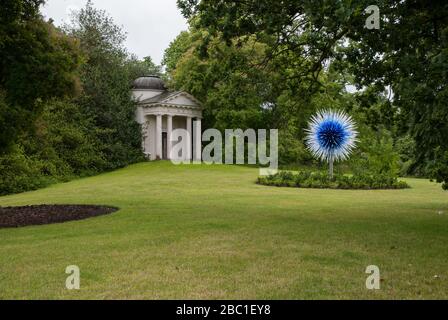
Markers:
(322, 180)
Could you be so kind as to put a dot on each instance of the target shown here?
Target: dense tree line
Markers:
(36, 62)
(241, 88)
(65, 106)
(310, 48)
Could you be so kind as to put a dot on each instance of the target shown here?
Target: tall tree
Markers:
(37, 62)
(175, 50)
(240, 89)
(409, 52)
(107, 76)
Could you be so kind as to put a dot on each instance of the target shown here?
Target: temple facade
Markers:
(161, 111)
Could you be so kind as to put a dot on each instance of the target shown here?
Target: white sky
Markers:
(150, 24)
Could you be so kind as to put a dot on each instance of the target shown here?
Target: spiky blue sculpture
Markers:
(331, 136)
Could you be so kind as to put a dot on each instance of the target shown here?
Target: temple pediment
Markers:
(176, 98)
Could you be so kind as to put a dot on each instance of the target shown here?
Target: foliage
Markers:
(62, 146)
(37, 62)
(406, 60)
(440, 167)
(292, 150)
(138, 68)
(239, 89)
(20, 172)
(405, 147)
(73, 137)
(375, 154)
(66, 137)
(106, 77)
(176, 50)
(308, 179)
(234, 95)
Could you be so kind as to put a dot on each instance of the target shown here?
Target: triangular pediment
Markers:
(182, 98)
(179, 98)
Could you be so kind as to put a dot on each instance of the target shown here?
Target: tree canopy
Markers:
(53, 134)
(37, 62)
(406, 57)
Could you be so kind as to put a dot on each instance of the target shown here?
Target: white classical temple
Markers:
(160, 112)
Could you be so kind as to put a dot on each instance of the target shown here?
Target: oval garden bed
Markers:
(322, 180)
(14, 217)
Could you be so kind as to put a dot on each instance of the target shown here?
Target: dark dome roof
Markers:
(149, 82)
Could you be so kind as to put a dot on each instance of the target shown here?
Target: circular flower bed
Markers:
(323, 181)
(13, 217)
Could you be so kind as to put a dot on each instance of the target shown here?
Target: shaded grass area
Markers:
(211, 232)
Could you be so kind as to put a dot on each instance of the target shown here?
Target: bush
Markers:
(405, 146)
(375, 154)
(21, 173)
(64, 144)
(439, 168)
(308, 179)
(92, 133)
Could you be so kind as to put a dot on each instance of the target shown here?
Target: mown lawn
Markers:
(209, 232)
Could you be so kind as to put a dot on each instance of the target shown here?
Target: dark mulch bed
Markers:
(13, 217)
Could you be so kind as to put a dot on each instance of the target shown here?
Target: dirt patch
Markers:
(14, 217)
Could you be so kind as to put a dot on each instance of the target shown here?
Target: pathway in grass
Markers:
(211, 232)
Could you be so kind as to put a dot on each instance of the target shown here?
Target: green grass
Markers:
(209, 232)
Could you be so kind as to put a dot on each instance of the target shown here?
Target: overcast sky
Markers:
(150, 24)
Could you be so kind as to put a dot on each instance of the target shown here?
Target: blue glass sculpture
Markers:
(331, 136)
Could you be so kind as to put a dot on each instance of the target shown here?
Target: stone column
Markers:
(197, 140)
(145, 137)
(189, 137)
(169, 130)
(159, 137)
